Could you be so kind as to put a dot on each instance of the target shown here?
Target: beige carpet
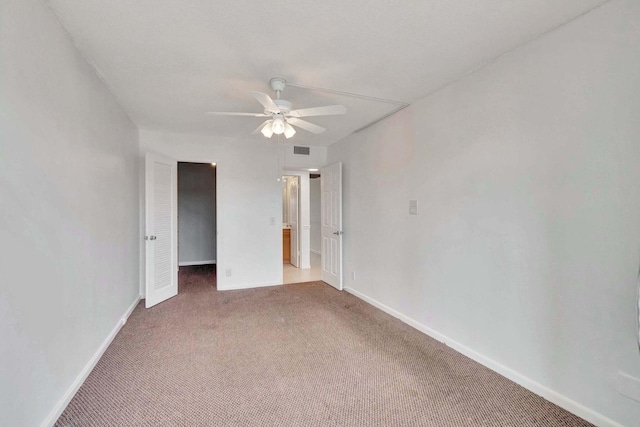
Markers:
(294, 355)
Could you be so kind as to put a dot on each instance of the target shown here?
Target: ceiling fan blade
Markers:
(259, 128)
(329, 110)
(266, 101)
(303, 124)
(216, 113)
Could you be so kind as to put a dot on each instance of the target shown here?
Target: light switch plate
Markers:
(413, 207)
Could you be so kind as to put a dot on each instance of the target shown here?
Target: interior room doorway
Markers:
(299, 263)
(291, 220)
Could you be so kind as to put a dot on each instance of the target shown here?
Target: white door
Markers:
(294, 196)
(331, 224)
(161, 228)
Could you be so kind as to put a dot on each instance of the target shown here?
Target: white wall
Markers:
(68, 217)
(525, 250)
(249, 195)
(196, 213)
(315, 211)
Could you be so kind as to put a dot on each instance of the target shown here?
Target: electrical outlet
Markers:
(272, 220)
(227, 272)
(353, 275)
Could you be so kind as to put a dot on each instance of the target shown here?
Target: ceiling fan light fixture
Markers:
(267, 131)
(289, 131)
(277, 126)
(280, 117)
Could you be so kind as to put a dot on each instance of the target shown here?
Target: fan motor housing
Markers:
(277, 84)
(284, 105)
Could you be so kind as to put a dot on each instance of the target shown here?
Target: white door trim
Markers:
(294, 220)
(219, 257)
(304, 220)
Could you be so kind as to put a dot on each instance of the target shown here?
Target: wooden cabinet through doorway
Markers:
(286, 245)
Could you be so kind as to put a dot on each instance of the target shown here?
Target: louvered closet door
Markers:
(161, 227)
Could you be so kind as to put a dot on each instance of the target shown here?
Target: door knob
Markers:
(338, 233)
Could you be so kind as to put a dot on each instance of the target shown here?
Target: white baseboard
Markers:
(248, 286)
(535, 387)
(75, 386)
(188, 263)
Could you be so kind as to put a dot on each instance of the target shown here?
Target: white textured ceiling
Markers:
(170, 61)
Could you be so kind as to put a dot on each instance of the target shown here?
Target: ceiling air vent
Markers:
(305, 151)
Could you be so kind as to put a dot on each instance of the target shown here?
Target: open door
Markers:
(294, 196)
(331, 224)
(161, 228)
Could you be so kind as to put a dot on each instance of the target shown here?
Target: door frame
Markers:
(297, 256)
(303, 227)
(216, 222)
(207, 160)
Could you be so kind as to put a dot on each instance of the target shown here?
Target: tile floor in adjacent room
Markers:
(292, 274)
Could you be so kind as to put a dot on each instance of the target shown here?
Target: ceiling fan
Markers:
(281, 118)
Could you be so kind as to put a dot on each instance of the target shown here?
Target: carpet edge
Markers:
(552, 396)
(84, 373)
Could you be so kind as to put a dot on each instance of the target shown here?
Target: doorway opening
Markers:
(197, 230)
(300, 224)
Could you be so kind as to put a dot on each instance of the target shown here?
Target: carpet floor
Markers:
(292, 355)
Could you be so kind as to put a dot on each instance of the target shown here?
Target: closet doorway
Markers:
(197, 231)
